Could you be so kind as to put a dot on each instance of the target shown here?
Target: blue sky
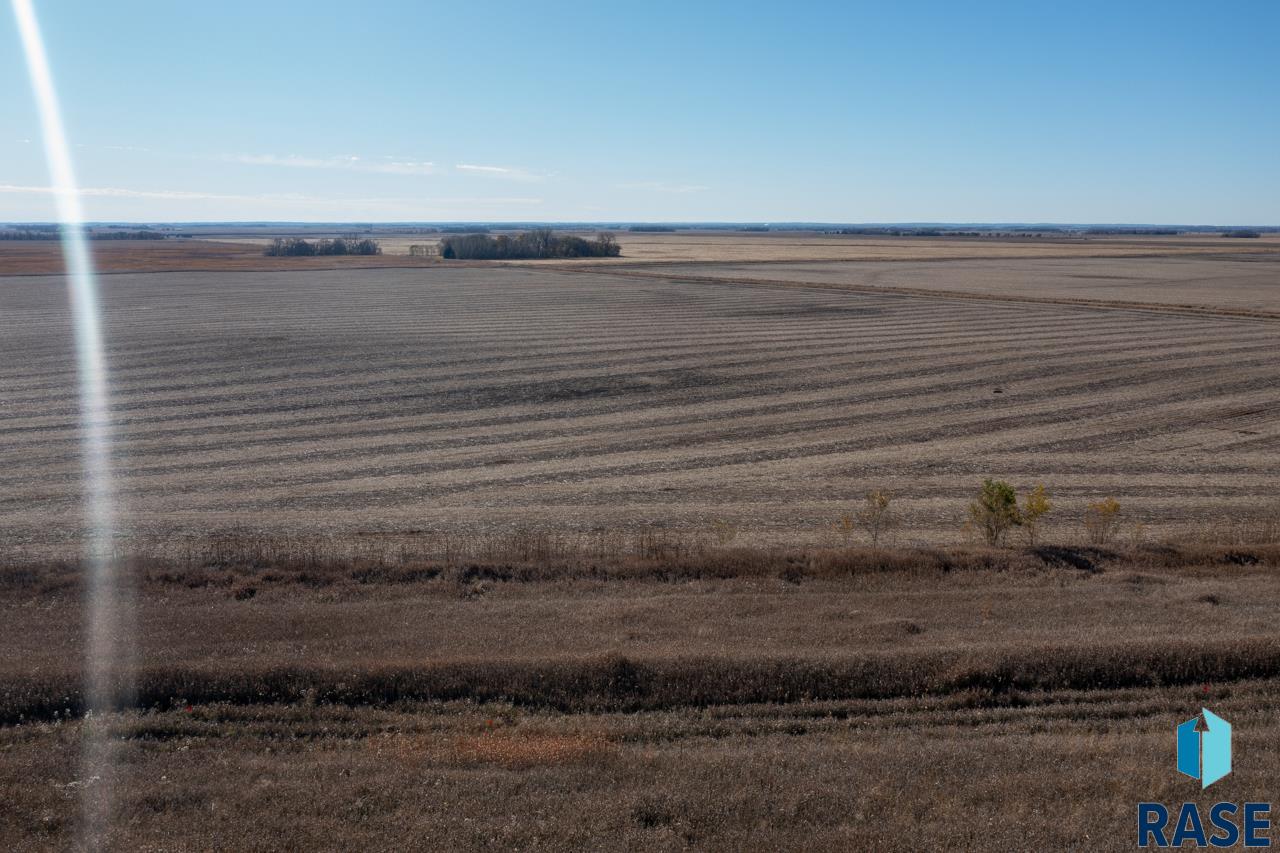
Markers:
(843, 112)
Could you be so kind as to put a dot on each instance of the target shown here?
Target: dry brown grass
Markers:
(721, 625)
(516, 750)
(736, 699)
(1061, 770)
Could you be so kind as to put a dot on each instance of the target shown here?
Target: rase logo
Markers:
(1204, 753)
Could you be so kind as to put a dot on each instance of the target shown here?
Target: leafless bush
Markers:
(1102, 521)
(877, 516)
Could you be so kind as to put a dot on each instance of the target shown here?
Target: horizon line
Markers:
(685, 223)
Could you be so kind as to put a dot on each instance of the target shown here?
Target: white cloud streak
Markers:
(663, 187)
(120, 192)
(351, 163)
(509, 173)
(407, 203)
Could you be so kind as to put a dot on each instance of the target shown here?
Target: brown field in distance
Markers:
(217, 250)
(1244, 284)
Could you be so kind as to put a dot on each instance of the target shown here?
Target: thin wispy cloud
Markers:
(121, 192)
(134, 148)
(398, 203)
(510, 173)
(663, 187)
(350, 163)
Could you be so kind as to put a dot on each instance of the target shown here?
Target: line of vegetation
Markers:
(241, 563)
(627, 684)
(1242, 232)
(651, 229)
(56, 234)
(295, 247)
(1131, 232)
(538, 243)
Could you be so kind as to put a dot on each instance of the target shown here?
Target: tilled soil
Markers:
(479, 398)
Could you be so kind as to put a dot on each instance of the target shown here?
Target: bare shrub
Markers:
(877, 516)
(1102, 521)
(724, 531)
(844, 528)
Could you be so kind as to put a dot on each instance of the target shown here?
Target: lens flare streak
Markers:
(105, 604)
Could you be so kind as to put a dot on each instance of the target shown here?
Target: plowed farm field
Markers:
(474, 399)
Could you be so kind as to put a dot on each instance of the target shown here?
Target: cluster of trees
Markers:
(538, 243)
(1241, 232)
(997, 511)
(296, 247)
(994, 514)
(655, 229)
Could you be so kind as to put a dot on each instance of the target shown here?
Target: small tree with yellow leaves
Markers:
(995, 511)
(1035, 506)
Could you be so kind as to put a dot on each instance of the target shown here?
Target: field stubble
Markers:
(481, 399)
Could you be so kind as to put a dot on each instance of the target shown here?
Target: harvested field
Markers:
(1231, 283)
(226, 249)
(792, 246)
(44, 257)
(471, 399)
(693, 246)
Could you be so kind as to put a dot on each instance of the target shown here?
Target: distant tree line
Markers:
(126, 235)
(464, 229)
(56, 234)
(538, 243)
(656, 229)
(929, 231)
(1241, 232)
(892, 232)
(295, 247)
(1139, 232)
